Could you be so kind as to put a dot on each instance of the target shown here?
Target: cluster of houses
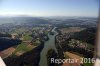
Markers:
(40, 33)
(37, 34)
(66, 34)
(63, 37)
(73, 43)
(79, 44)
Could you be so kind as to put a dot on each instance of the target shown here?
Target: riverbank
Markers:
(30, 58)
(50, 44)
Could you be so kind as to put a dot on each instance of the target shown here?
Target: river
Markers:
(50, 44)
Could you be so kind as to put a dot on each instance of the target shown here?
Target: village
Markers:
(30, 39)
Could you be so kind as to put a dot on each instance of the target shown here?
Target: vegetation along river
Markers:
(50, 44)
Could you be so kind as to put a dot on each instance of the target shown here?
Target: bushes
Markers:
(84, 52)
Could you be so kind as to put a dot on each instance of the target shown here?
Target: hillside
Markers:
(87, 35)
(7, 42)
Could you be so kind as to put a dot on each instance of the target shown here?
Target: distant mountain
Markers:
(23, 19)
(30, 21)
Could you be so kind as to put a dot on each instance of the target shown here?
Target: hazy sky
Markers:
(50, 7)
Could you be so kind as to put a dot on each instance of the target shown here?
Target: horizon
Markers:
(51, 17)
(46, 8)
(47, 16)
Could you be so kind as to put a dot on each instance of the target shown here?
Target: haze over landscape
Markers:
(34, 31)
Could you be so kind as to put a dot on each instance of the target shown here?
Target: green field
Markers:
(27, 37)
(88, 64)
(23, 47)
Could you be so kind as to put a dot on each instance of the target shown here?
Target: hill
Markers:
(87, 35)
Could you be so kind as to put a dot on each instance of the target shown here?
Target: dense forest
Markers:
(88, 35)
(7, 42)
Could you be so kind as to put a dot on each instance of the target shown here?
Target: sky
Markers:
(50, 7)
